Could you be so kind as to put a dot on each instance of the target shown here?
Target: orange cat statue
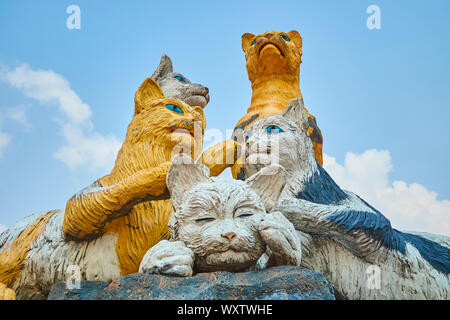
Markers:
(273, 67)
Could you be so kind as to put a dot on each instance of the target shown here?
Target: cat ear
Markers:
(200, 111)
(183, 174)
(165, 67)
(247, 39)
(202, 115)
(297, 38)
(149, 90)
(268, 183)
(295, 111)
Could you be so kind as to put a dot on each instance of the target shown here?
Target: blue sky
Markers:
(385, 90)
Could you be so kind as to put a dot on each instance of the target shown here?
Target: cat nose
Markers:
(268, 35)
(229, 235)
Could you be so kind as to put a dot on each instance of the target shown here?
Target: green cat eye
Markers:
(174, 108)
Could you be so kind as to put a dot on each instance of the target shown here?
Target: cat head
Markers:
(166, 121)
(280, 139)
(175, 85)
(161, 127)
(271, 53)
(218, 218)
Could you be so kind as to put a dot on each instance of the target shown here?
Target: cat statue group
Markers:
(162, 212)
(222, 224)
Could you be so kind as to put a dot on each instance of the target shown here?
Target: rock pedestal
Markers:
(279, 283)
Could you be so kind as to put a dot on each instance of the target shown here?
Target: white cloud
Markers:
(47, 86)
(94, 150)
(18, 114)
(408, 206)
(2, 228)
(83, 146)
(5, 139)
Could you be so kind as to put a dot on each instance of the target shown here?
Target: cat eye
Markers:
(254, 41)
(286, 38)
(204, 220)
(248, 136)
(274, 129)
(180, 79)
(174, 108)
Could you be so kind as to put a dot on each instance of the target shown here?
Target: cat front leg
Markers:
(220, 156)
(168, 258)
(281, 237)
(353, 228)
(88, 211)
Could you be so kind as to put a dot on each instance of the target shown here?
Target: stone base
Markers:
(279, 283)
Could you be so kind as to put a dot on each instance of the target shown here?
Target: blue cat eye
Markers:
(273, 129)
(174, 108)
(248, 136)
(254, 41)
(285, 37)
(180, 79)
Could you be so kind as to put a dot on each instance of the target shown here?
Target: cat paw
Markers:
(281, 237)
(168, 258)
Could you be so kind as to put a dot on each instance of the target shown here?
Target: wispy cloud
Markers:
(49, 87)
(409, 207)
(84, 146)
(93, 149)
(5, 139)
(18, 115)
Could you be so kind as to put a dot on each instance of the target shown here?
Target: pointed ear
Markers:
(247, 39)
(297, 38)
(295, 111)
(202, 114)
(183, 174)
(268, 183)
(149, 90)
(199, 110)
(165, 67)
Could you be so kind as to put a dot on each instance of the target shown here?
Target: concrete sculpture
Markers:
(106, 228)
(273, 66)
(342, 236)
(285, 207)
(177, 86)
(222, 225)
